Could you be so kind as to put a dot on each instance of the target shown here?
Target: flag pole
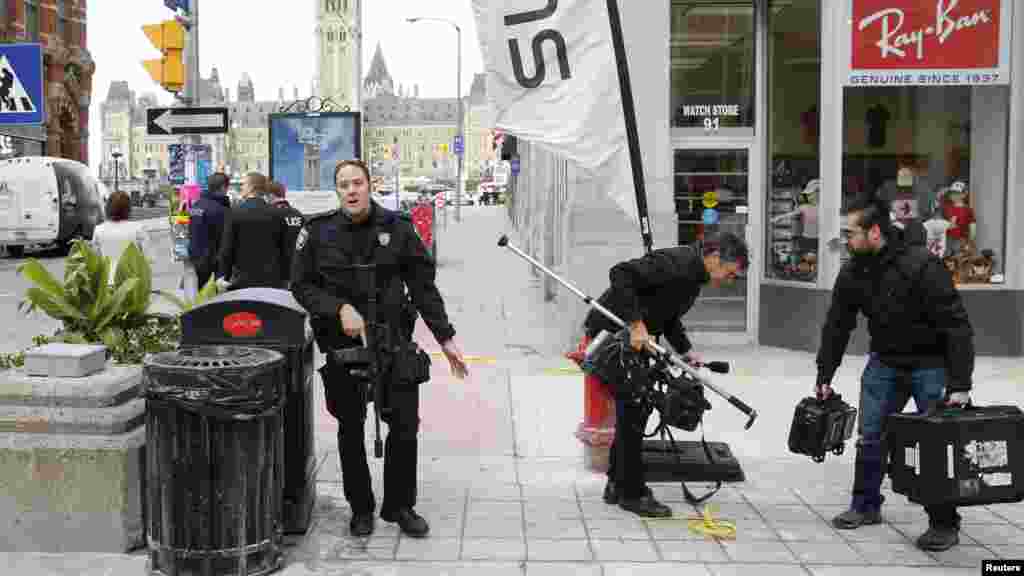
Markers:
(629, 114)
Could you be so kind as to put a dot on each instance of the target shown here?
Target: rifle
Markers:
(366, 363)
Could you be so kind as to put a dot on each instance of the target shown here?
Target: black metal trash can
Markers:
(272, 319)
(214, 460)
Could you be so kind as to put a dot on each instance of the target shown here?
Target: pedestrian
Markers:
(323, 281)
(921, 346)
(253, 251)
(291, 218)
(206, 227)
(651, 294)
(111, 237)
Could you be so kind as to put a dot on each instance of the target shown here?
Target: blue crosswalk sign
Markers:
(21, 84)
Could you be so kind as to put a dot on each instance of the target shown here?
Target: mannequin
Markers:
(961, 216)
(937, 227)
(807, 212)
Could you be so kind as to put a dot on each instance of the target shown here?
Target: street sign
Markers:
(458, 145)
(21, 84)
(175, 121)
(515, 165)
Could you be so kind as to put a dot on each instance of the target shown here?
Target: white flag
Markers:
(552, 79)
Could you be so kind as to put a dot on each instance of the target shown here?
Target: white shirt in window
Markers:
(935, 229)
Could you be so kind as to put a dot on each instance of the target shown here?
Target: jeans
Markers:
(884, 391)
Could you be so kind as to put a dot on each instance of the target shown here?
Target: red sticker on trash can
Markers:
(242, 324)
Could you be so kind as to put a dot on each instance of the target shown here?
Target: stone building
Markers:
(60, 27)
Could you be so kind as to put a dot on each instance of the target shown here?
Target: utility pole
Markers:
(191, 98)
(460, 152)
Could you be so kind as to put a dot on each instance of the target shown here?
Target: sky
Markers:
(277, 47)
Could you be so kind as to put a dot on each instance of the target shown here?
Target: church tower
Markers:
(335, 50)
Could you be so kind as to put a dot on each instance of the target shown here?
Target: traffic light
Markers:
(169, 38)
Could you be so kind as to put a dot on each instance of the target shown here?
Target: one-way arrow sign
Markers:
(174, 121)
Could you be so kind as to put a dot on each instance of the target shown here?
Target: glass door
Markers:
(712, 194)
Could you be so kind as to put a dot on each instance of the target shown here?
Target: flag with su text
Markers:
(552, 80)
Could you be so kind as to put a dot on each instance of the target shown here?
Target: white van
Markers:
(48, 202)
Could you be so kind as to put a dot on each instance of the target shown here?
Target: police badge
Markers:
(385, 239)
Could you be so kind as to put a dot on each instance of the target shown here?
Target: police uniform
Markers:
(323, 280)
(253, 251)
(293, 221)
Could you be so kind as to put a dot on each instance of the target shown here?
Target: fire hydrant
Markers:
(598, 427)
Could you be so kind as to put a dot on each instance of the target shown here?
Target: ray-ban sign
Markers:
(929, 42)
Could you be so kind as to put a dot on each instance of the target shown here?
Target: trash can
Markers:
(214, 460)
(273, 319)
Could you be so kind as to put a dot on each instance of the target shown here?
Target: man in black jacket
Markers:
(651, 294)
(253, 252)
(921, 346)
(326, 282)
(206, 227)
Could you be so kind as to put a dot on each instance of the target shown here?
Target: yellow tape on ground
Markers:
(708, 526)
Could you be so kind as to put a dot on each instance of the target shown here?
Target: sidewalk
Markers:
(502, 481)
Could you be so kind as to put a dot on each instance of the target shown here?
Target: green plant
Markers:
(209, 290)
(89, 307)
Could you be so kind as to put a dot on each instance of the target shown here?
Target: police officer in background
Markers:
(206, 226)
(651, 294)
(291, 218)
(921, 346)
(325, 283)
(253, 251)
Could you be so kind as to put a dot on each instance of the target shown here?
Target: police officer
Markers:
(253, 251)
(651, 294)
(206, 226)
(921, 346)
(291, 218)
(325, 283)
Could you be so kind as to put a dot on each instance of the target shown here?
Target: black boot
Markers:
(411, 523)
(645, 506)
(361, 524)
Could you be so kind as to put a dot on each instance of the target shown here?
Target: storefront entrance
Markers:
(712, 194)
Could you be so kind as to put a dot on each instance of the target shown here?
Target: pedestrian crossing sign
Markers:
(21, 84)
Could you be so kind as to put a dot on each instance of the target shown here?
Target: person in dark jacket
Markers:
(336, 296)
(206, 227)
(291, 219)
(921, 346)
(651, 294)
(253, 251)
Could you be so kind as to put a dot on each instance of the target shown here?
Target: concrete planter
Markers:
(71, 461)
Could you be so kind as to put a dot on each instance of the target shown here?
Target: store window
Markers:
(712, 59)
(794, 187)
(938, 156)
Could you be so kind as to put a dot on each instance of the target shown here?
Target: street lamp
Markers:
(458, 96)
(116, 156)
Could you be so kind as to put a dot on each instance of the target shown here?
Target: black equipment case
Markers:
(962, 456)
(821, 426)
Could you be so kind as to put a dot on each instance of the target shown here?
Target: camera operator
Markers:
(651, 294)
(325, 283)
(921, 346)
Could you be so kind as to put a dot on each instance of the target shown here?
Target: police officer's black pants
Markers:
(625, 463)
(346, 404)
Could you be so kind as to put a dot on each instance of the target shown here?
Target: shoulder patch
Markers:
(300, 241)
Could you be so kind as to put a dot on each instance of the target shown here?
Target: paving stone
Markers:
(1000, 534)
(758, 551)
(499, 492)
(760, 570)
(771, 496)
(493, 549)
(877, 533)
(556, 529)
(623, 550)
(550, 550)
(654, 569)
(1011, 552)
(494, 509)
(781, 514)
(806, 532)
(890, 571)
(562, 569)
(825, 553)
(535, 510)
(689, 551)
(887, 553)
(433, 548)
(496, 527)
(979, 515)
(548, 493)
